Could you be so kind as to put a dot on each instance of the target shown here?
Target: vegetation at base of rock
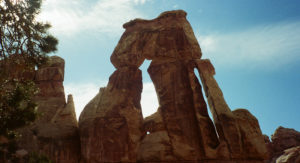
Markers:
(17, 109)
(24, 45)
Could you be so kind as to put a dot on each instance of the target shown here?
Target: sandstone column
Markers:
(209, 138)
(110, 125)
(225, 121)
(175, 98)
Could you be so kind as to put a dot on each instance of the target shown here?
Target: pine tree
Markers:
(24, 45)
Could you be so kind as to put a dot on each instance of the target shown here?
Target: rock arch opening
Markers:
(181, 128)
(149, 100)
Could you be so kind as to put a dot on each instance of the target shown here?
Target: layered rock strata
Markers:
(55, 132)
(112, 128)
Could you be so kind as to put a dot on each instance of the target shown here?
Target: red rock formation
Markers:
(284, 138)
(55, 132)
(224, 119)
(111, 127)
(251, 136)
(175, 98)
(284, 145)
(291, 155)
(110, 124)
(167, 38)
(155, 144)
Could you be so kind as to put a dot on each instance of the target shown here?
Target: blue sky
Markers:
(253, 44)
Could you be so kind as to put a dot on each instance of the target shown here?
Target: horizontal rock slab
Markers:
(167, 37)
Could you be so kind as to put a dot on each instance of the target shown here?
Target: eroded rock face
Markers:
(284, 138)
(55, 132)
(291, 155)
(253, 142)
(284, 145)
(175, 98)
(111, 125)
(155, 144)
(167, 38)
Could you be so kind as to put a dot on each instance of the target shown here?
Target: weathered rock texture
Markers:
(291, 155)
(110, 124)
(112, 128)
(55, 132)
(284, 146)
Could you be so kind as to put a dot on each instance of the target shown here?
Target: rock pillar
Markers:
(55, 132)
(225, 121)
(110, 125)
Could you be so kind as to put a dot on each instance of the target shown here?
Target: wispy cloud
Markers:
(140, 1)
(71, 16)
(261, 46)
(85, 92)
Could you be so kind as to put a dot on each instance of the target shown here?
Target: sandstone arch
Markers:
(112, 128)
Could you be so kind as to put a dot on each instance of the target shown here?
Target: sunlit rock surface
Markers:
(284, 146)
(111, 125)
(55, 132)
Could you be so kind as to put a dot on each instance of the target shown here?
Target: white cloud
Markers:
(71, 16)
(261, 46)
(84, 92)
(149, 99)
(140, 1)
